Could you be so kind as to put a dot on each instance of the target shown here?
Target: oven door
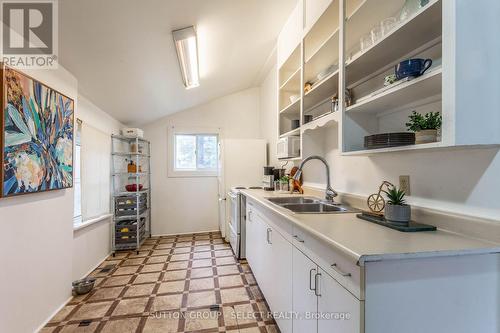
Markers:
(235, 212)
(234, 240)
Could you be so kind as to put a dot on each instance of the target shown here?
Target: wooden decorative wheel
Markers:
(376, 203)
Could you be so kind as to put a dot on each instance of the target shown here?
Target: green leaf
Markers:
(14, 139)
(18, 120)
(396, 196)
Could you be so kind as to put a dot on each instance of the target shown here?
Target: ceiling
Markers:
(122, 52)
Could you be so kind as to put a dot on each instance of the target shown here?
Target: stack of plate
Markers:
(386, 140)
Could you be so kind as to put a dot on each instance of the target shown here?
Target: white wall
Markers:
(183, 205)
(463, 181)
(93, 243)
(41, 254)
(37, 243)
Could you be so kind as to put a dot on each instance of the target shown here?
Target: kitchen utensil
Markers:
(83, 286)
(412, 68)
(388, 24)
(133, 187)
(297, 184)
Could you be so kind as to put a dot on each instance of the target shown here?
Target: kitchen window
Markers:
(91, 175)
(194, 154)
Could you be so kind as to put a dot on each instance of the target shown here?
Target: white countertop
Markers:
(364, 241)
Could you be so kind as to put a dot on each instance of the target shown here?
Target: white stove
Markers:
(237, 220)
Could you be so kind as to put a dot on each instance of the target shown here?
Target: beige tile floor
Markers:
(170, 286)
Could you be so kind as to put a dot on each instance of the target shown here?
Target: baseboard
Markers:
(53, 314)
(185, 233)
(100, 262)
(69, 299)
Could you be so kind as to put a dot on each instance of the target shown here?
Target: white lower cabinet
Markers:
(305, 301)
(280, 296)
(339, 311)
(301, 295)
(320, 303)
(270, 257)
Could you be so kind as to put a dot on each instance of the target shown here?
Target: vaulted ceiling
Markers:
(122, 53)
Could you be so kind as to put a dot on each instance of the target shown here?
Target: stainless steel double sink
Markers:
(311, 205)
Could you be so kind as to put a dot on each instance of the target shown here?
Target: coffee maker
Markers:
(268, 178)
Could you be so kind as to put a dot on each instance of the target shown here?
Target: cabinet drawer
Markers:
(277, 222)
(338, 266)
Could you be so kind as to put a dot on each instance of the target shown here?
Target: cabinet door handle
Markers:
(269, 231)
(336, 269)
(317, 282)
(298, 239)
(311, 279)
(250, 215)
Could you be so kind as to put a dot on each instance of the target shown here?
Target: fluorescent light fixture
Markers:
(186, 46)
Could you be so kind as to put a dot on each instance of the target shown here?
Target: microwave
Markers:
(288, 147)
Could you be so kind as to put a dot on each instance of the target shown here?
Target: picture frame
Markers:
(37, 135)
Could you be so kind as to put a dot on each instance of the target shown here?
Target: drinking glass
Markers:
(365, 41)
(376, 33)
(388, 24)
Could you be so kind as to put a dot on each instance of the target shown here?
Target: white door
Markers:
(304, 298)
(280, 299)
(341, 305)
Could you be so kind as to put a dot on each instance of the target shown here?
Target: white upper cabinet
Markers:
(291, 34)
(354, 46)
(313, 9)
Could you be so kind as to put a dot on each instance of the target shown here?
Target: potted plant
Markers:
(396, 209)
(283, 184)
(425, 126)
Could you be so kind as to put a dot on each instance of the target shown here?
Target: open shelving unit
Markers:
(377, 108)
(131, 209)
(328, 55)
(289, 94)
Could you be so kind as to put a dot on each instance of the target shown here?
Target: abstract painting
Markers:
(37, 136)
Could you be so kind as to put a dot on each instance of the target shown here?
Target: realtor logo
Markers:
(29, 33)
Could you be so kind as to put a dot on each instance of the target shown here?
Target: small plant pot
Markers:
(426, 136)
(398, 213)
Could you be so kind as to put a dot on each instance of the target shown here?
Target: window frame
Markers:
(178, 173)
(77, 219)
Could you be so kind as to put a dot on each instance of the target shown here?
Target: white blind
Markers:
(95, 172)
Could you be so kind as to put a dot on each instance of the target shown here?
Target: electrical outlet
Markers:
(404, 184)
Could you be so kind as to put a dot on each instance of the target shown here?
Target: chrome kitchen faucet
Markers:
(329, 192)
